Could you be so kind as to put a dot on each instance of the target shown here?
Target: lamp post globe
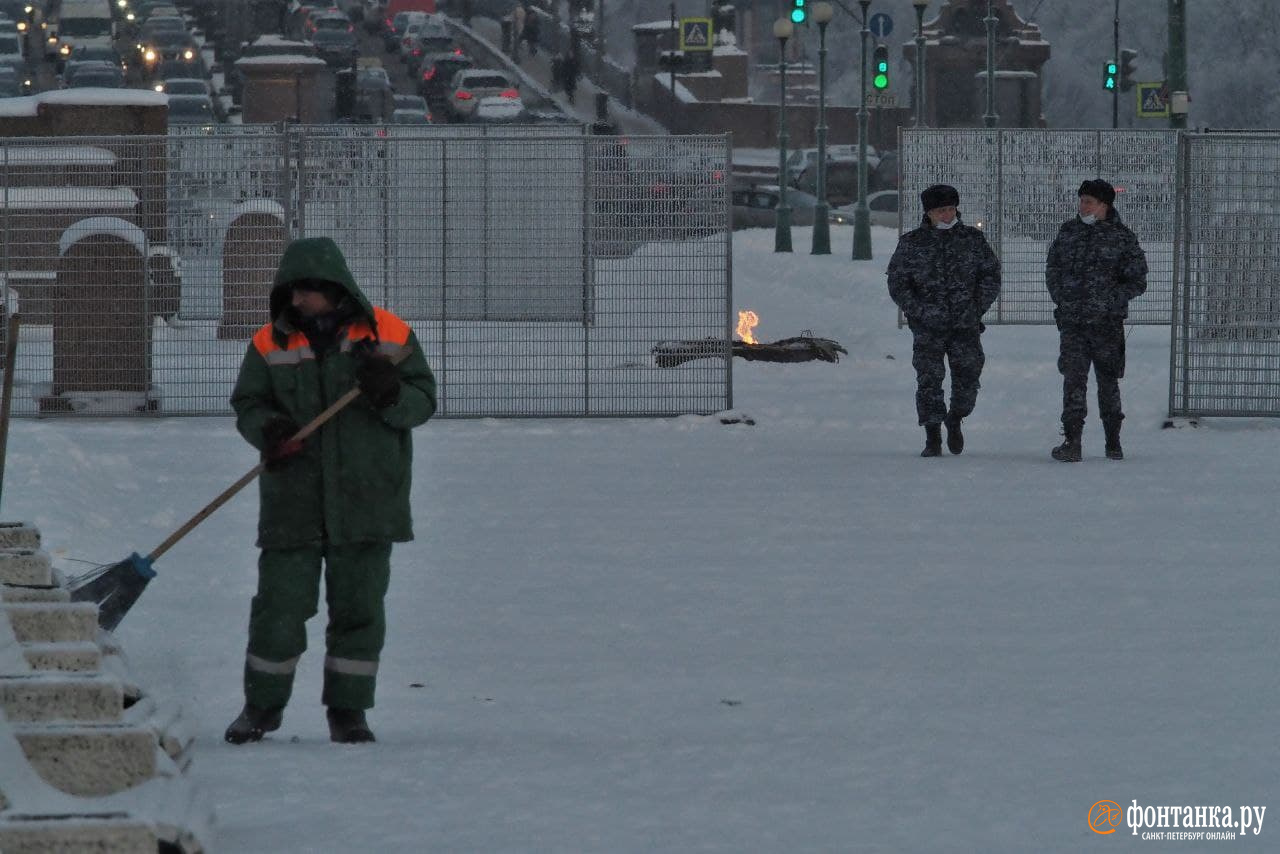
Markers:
(821, 14)
(782, 31)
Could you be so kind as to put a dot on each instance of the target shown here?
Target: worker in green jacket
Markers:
(338, 499)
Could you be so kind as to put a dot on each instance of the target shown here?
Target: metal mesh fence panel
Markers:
(1225, 356)
(538, 268)
(1020, 186)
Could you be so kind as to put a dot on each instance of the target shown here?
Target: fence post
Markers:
(286, 184)
(588, 221)
(997, 219)
(442, 400)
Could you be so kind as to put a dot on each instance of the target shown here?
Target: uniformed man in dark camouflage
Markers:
(1095, 267)
(944, 277)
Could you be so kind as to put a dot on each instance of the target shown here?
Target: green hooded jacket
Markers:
(350, 483)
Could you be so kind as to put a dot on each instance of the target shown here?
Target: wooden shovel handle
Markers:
(227, 494)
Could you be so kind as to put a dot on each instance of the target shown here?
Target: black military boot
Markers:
(253, 723)
(932, 441)
(348, 726)
(1112, 428)
(1069, 450)
(955, 439)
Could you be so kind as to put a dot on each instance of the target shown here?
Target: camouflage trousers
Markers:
(962, 349)
(1100, 345)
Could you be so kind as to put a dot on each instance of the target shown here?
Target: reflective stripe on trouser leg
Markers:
(356, 578)
(288, 594)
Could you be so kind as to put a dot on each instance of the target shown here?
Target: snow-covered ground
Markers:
(676, 635)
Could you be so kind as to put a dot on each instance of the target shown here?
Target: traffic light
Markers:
(880, 77)
(799, 11)
(1128, 67)
(1110, 75)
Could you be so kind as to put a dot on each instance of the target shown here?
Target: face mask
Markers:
(1088, 220)
(945, 225)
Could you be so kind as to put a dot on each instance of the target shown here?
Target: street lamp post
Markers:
(861, 215)
(782, 30)
(991, 119)
(920, 115)
(821, 15)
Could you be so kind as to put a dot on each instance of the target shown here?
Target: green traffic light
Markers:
(880, 81)
(797, 15)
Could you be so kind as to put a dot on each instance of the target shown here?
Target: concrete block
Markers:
(61, 697)
(25, 566)
(36, 834)
(48, 622)
(19, 535)
(89, 760)
(74, 657)
(53, 593)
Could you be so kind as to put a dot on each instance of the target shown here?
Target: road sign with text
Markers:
(881, 100)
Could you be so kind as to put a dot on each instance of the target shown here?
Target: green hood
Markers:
(314, 258)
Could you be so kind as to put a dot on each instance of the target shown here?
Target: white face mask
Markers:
(1088, 220)
(945, 225)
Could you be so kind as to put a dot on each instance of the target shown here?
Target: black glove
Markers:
(279, 445)
(379, 380)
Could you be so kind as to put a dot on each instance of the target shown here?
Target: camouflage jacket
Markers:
(1094, 270)
(944, 279)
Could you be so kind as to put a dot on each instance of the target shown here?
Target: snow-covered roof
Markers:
(88, 96)
(62, 198)
(57, 155)
(109, 225)
(271, 39)
(262, 206)
(280, 59)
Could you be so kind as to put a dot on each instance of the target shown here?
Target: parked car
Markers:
(497, 110)
(882, 206)
(756, 207)
(172, 45)
(337, 48)
(842, 181)
(472, 84)
(373, 93)
(410, 117)
(429, 39)
(191, 110)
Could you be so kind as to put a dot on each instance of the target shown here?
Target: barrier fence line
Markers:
(1225, 336)
(538, 266)
(1019, 185)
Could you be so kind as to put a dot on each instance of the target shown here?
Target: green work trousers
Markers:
(355, 581)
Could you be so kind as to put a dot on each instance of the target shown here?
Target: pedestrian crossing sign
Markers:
(695, 34)
(1153, 100)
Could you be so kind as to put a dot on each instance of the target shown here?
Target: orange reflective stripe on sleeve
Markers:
(391, 329)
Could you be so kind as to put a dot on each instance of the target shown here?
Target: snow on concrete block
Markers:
(25, 566)
(53, 622)
(61, 697)
(18, 593)
(71, 657)
(19, 535)
(89, 760)
(38, 834)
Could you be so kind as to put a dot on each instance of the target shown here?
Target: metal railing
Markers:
(1020, 185)
(538, 267)
(1225, 345)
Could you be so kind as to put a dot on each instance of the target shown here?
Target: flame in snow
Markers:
(747, 320)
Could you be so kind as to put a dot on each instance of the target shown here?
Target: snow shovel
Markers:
(117, 586)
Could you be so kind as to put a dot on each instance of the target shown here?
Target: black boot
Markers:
(955, 439)
(1069, 450)
(932, 441)
(1114, 451)
(348, 726)
(253, 723)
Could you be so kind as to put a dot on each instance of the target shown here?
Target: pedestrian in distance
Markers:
(569, 71)
(519, 17)
(944, 277)
(1095, 267)
(333, 504)
(532, 28)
